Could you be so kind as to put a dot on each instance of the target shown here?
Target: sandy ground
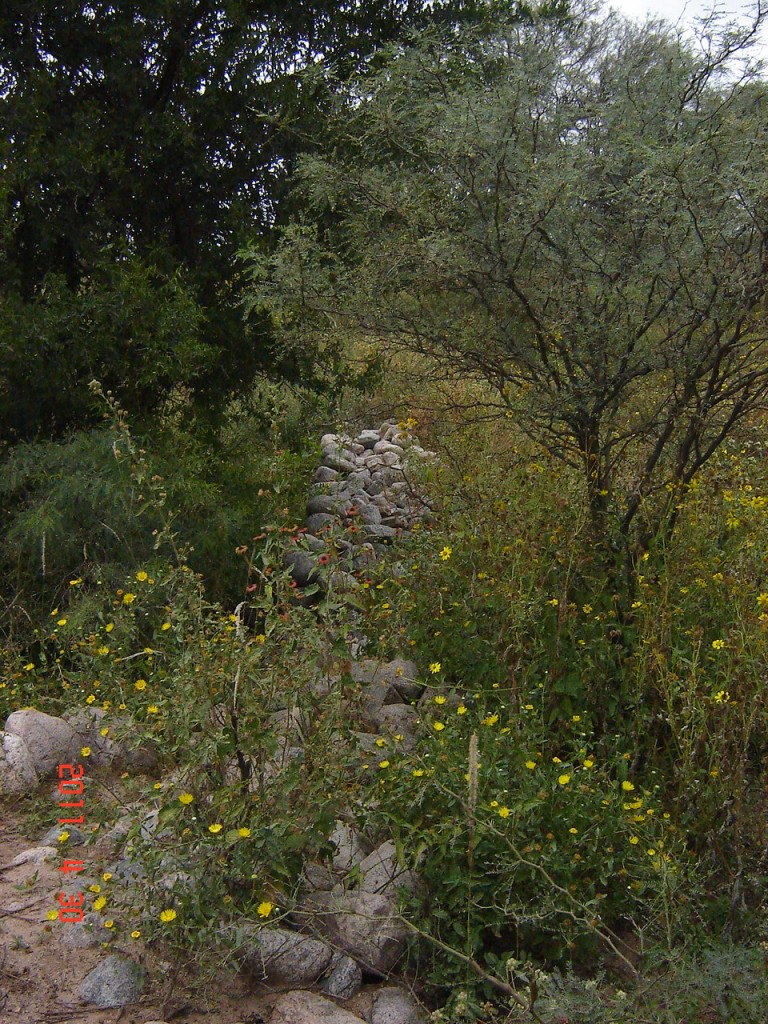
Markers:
(40, 974)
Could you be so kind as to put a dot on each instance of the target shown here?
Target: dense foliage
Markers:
(140, 145)
(573, 211)
(553, 230)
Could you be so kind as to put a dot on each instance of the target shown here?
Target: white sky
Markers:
(686, 11)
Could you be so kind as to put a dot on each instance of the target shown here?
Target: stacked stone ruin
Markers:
(362, 496)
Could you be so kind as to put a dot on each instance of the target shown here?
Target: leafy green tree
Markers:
(140, 144)
(572, 210)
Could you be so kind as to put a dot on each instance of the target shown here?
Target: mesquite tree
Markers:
(575, 210)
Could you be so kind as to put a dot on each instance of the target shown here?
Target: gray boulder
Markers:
(365, 925)
(350, 847)
(368, 438)
(17, 768)
(388, 446)
(333, 441)
(107, 750)
(50, 740)
(309, 1008)
(283, 957)
(324, 475)
(35, 855)
(74, 836)
(398, 720)
(330, 504)
(87, 933)
(388, 682)
(318, 522)
(116, 981)
(393, 1005)
(370, 515)
(313, 543)
(382, 534)
(345, 979)
(340, 461)
(302, 565)
(380, 872)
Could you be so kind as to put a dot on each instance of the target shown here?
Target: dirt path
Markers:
(40, 973)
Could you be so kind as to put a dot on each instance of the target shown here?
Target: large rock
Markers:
(324, 475)
(350, 847)
(87, 933)
(402, 675)
(383, 534)
(370, 515)
(392, 682)
(116, 981)
(340, 461)
(51, 741)
(388, 446)
(309, 1008)
(330, 504)
(365, 925)
(344, 980)
(368, 438)
(87, 724)
(395, 1006)
(398, 720)
(286, 958)
(17, 767)
(35, 855)
(380, 872)
(331, 440)
(125, 752)
(75, 837)
(303, 567)
(313, 543)
(318, 522)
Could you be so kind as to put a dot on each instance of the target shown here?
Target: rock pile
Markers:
(361, 497)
